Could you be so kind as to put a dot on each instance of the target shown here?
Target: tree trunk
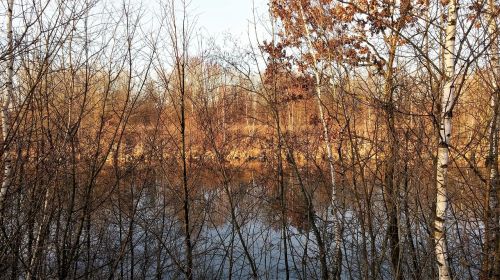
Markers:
(6, 104)
(336, 225)
(39, 239)
(391, 191)
(447, 102)
(490, 266)
(187, 225)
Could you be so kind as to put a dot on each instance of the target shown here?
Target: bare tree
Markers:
(6, 104)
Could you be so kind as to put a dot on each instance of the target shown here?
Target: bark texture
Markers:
(447, 103)
(6, 104)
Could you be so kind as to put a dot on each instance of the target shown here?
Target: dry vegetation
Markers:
(359, 141)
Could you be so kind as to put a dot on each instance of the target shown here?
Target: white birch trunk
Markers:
(6, 103)
(495, 63)
(326, 135)
(492, 225)
(37, 248)
(447, 102)
(494, 204)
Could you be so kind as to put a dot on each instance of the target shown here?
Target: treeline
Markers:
(357, 140)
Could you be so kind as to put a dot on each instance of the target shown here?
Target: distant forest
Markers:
(338, 140)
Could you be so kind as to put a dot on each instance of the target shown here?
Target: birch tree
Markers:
(491, 258)
(308, 26)
(6, 105)
(447, 103)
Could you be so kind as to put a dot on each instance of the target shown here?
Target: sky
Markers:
(217, 17)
